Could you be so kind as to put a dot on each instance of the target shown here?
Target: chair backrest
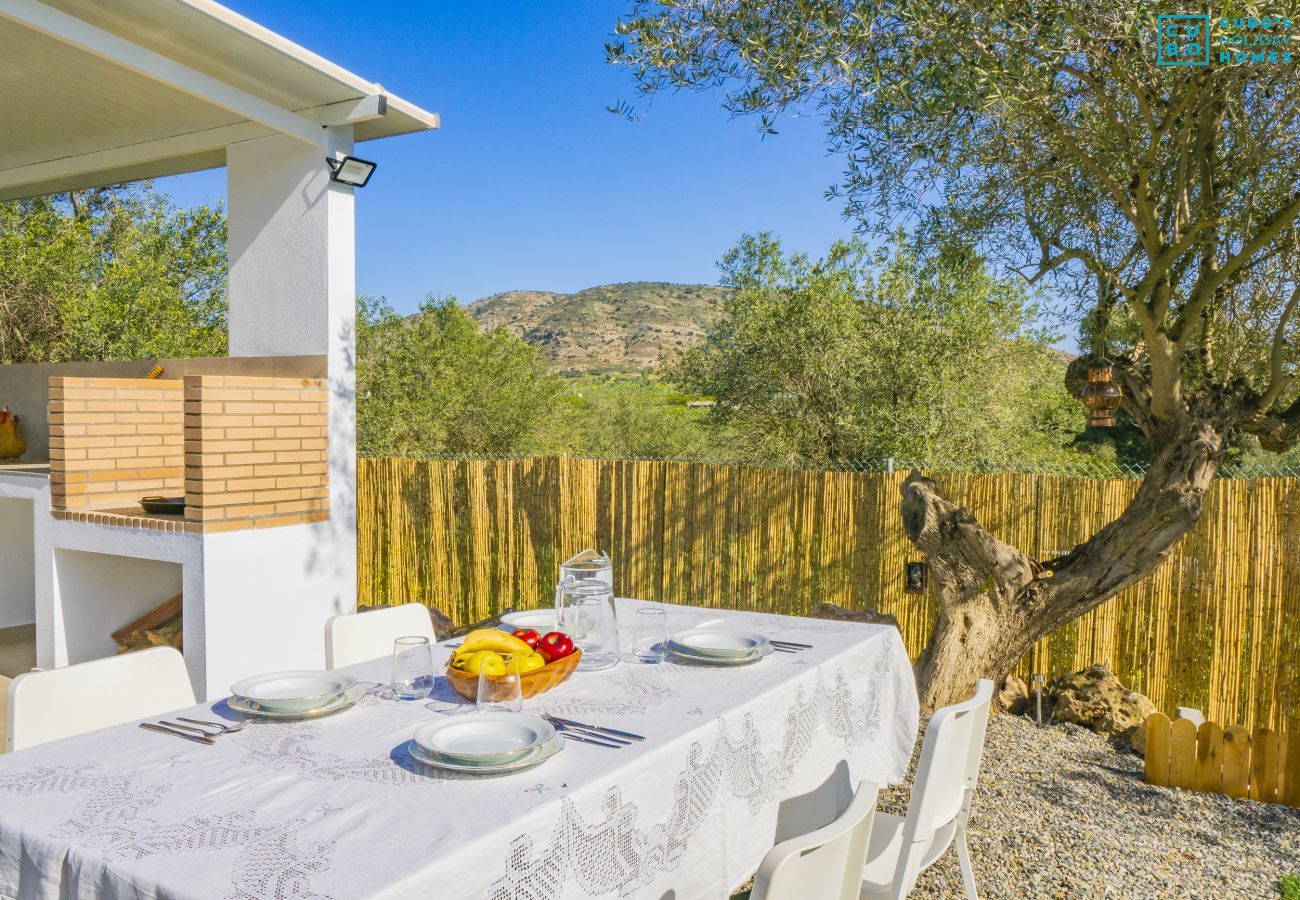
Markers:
(826, 863)
(950, 764)
(369, 635)
(57, 703)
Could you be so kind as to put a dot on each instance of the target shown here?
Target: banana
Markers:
(494, 640)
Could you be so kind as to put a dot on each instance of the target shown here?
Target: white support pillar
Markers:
(292, 249)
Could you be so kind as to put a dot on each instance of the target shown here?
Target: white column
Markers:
(292, 249)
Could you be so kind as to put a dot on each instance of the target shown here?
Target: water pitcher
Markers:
(588, 564)
(584, 609)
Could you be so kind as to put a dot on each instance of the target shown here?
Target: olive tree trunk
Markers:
(995, 601)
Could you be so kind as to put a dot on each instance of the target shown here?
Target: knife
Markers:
(584, 739)
(149, 726)
(613, 731)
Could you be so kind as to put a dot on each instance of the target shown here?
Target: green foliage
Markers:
(908, 353)
(433, 383)
(1161, 200)
(111, 273)
(1289, 887)
(629, 416)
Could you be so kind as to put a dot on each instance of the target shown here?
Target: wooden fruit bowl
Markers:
(538, 681)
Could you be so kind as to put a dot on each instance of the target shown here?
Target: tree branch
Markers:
(1277, 376)
(959, 550)
(1271, 229)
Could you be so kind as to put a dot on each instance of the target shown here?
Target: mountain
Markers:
(613, 327)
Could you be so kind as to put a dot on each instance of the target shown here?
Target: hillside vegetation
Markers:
(608, 328)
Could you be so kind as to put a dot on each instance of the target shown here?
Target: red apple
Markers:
(555, 645)
(528, 636)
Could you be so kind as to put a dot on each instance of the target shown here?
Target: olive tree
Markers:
(1162, 199)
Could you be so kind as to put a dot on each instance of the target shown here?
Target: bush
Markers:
(1289, 886)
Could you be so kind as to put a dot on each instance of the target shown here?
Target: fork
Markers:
(225, 729)
(584, 733)
(210, 735)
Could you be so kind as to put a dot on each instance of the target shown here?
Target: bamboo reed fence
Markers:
(1217, 627)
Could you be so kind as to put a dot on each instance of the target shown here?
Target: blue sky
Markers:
(531, 183)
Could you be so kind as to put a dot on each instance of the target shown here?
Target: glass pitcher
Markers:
(584, 610)
(588, 564)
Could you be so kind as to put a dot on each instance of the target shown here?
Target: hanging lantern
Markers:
(1102, 394)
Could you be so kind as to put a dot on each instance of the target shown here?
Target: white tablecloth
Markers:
(335, 808)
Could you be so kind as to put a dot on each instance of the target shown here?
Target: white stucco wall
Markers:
(292, 249)
(33, 489)
(17, 562)
(266, 596)
(103, 592)
(289, 226)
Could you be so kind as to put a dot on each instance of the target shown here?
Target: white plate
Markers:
(683, 653)
(341, 702)
(295, 691)
(531, 758)
(720, 643)
(540, 620)
(488, 738)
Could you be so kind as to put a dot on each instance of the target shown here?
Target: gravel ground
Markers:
(1060, 813)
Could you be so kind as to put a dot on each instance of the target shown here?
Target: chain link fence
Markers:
(1099, 469)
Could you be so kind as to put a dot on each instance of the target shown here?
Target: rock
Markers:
(1137, 741)
(1096, 699)
(442, 626)
(1014, 696)
(869, 616)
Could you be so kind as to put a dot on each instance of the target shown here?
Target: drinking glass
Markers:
(412, 668)
(501, 693)
(650, 634)
(584, 610)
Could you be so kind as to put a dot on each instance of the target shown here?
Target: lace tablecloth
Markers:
(335, 808)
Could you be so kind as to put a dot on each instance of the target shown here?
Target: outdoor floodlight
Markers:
(350, 170)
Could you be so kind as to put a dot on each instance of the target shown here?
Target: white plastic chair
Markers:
(57, 703)
(369, 635)
(902, 848)
(826, 863)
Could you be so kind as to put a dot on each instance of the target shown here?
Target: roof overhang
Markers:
(95, 93)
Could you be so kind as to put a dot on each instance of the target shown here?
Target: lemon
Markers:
(485, 661)
(531, 663)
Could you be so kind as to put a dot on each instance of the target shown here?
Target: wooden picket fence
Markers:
(1217, 627)
(1262, 766)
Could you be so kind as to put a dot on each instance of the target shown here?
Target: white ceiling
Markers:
(59, 101)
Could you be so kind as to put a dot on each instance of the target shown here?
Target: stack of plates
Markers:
(719, 646)
(540, 620)
(295, 695)
(485, 743)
